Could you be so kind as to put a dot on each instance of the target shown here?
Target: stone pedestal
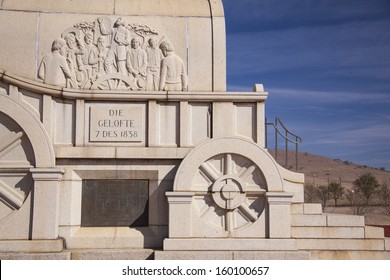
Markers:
(46, 198)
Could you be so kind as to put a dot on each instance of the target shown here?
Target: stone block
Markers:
(374, 232)
(284, 255)
(70, 202)
(201, 72)
(193, 255)
(308, 220)
(111, 237)
(180, 212)
(74, 6)
(18, 44)
(32, 246)
(296, 189)
(327, 232)
(335, 220)
(350, 255)
(112, 254)
(219, 53)
(387, 244)
(297, 208)
(35, 256)
(312, 208)
(183, 8)
(340, 244)
(196, 244)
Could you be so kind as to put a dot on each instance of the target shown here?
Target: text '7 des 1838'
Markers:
(117, 123)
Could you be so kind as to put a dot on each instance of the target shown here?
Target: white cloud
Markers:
(326, 97)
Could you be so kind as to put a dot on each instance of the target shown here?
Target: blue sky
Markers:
(326, 66)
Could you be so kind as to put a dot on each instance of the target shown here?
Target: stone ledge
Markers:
(112, 254)
(312, 208)
(229, 255)
(35, 256)
(297, 208)
(327, 232)
(341, 244)
(387, 244)
(350, 255)
(196, 244)
(344, 220)
(281, 255)
(101, 152)
(374, 232)
(193, 255)
(308, 220)
(32, 246)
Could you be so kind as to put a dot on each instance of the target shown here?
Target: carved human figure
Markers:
(155, 56)
(97, 57)
(120, 39)
(54, 69)
(89, 48)
(136, 61)
(173, 74)
(74, 48)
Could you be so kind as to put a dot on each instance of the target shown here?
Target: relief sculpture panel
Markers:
(102, 55)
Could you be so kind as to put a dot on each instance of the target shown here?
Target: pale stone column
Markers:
(46, 198)
(279, 211)
(180, 217)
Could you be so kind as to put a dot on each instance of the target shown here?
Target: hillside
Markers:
(318, 170)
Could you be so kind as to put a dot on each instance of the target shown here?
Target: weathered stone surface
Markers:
(341, 244)
(229, 245)
(112, 254)
(312, 208)
(32, 246)
(301, 255)
(327, 232)
(192, 255)
(374, 232)
(85, 95)
(387, 244)
(344, 220)
(308, 220)
(35, 256)
(350, 255)
(182, 23)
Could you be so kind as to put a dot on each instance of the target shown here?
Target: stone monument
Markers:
(119, 140)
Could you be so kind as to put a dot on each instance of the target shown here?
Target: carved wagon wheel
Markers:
(114, 81)
(230, 177)
(235, 197)
(15, 161)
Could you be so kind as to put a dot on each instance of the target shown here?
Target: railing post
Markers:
(296, 154)
(286, 151)
(266, 133)
(285, 135)
(276, 139)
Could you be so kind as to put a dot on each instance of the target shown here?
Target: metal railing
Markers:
(287, 135)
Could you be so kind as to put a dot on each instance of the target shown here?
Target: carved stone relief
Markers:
(236, 192)
(100, 55)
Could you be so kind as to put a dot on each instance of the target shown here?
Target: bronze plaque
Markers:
(115, 203)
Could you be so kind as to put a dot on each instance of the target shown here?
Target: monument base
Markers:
(232, 255)
(222, 244)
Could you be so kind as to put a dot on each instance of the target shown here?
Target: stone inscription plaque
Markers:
(115, 203)
(117, 123)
